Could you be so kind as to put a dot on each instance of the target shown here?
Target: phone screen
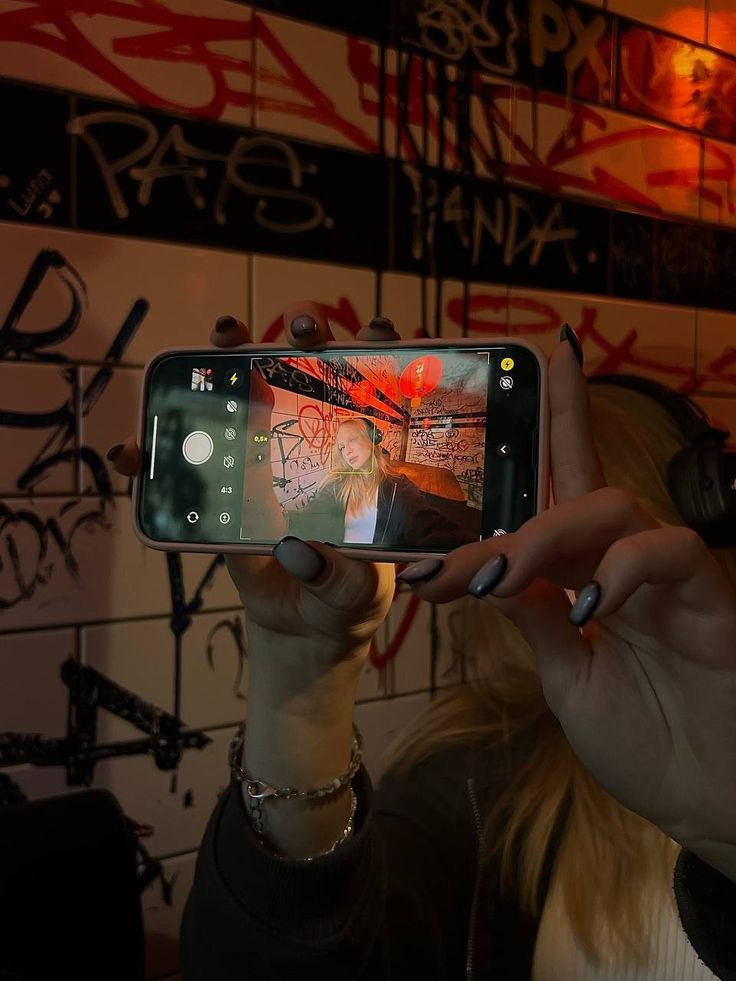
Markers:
(397, 449)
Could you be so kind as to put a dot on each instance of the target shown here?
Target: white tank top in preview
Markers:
(361, 528)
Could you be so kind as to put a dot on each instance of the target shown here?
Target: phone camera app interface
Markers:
(393, 450)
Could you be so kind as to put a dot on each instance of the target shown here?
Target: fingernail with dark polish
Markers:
(488, 576)
(421, 571)
(299, 559)
(586, 603)
(223, 324)
(301, 326)
(569, 335)
(114, 453)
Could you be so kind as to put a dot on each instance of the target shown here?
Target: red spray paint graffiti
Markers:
(379, 659)
(622, 356)
(315, 429)
(164, 35)
(497, 146)
(155, 34)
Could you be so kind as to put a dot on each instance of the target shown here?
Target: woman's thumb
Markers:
(307, 563)
(341, 582)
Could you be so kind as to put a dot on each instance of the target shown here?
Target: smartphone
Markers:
(391, 453)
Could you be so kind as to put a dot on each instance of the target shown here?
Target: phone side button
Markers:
(535, 448)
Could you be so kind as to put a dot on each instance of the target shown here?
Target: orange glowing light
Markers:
(693, 63)
(420, 377)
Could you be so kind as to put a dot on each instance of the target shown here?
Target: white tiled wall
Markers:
(306, 87)
(347, 295)
(32, 695)
(678, 16)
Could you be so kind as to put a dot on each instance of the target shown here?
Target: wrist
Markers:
(317, 654)
(292, 676)
(298, 738)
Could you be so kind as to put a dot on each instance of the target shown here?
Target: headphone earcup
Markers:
(372, 431)
(682, 481)
(694, 480)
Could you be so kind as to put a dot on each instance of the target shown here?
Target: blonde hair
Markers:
(357, 489)
(610, 861)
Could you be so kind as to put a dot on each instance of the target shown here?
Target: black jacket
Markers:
(405, 518)
(403, 898)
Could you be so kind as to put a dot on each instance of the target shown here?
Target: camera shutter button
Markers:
(197, 448)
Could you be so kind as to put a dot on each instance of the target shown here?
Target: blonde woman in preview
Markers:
(366, 500)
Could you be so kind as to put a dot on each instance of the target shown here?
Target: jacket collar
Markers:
(386, 500)
(501, 937)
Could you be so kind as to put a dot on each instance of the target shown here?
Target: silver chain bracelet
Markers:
(258, 790)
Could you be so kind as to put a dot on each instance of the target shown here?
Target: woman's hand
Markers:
(313, 602)
(646, 691)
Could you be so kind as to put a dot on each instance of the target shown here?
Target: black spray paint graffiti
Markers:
(335, 388)
(22, 572)
(78, 751)
(234, 628)
(294, 474)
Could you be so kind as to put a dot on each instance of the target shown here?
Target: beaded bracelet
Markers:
(258, 790)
